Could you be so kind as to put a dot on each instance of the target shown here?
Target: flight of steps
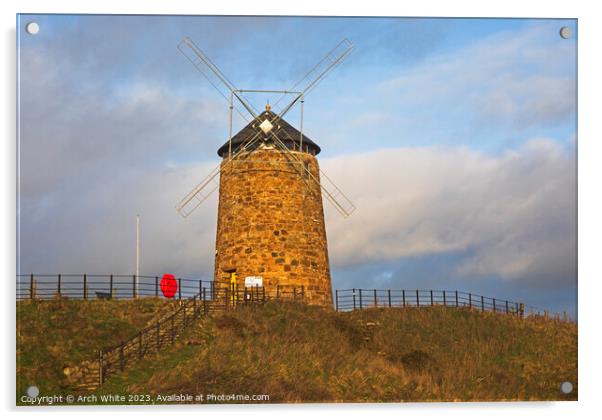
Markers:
(85, 377)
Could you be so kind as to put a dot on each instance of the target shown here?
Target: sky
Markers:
(455, 139)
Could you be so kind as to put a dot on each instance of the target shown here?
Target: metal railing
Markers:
(165, 331)
(232, 295)
(351, 299)
(151, 339)
(102, 286)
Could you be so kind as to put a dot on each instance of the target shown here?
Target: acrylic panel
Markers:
(260, 210)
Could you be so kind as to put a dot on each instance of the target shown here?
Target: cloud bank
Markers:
(511, 216)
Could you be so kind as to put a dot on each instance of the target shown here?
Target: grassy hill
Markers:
(297, 353)
(52, 334)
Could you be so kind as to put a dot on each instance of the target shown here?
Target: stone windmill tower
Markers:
(270, 229)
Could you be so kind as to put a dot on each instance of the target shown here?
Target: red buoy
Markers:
(169, 285)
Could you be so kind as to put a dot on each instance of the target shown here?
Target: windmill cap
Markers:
(289, 135)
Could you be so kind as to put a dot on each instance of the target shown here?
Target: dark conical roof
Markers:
(289, 135)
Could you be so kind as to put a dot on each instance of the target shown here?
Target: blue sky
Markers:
(455, 138)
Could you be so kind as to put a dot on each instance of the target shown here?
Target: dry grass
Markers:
(296, 353)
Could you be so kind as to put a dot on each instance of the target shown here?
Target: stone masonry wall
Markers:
(271, 224)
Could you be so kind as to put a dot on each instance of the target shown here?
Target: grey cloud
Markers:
(91, 227)
(83, 126)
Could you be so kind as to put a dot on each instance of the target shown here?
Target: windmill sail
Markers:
(332, 193)
(229, 92)
(210, 183)
(316, 74)
(218, 80)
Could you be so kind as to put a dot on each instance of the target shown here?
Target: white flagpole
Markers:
(137, 253)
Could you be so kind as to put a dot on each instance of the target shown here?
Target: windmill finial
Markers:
(268, 106)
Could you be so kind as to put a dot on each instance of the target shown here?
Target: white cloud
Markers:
(512, 214)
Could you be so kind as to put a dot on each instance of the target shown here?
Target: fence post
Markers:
(482, 304)
(179, 289)
(507, 308)
(522, 310)
(389, 296)
(457, 299)
(277, 291)
(403, 297)
(417, 298)
(470, 300)
(85, 286)
(361, 303)
(444, 300)
(156, 286)
(58, 285)
(121, 357)
(134, 286)
(336, 300)
(205, 301)
(353, 294)
(31, 289)
(100, 367)
(111, 286)
(263, 293)
(494, 311)
(375, 301)
(432, 298)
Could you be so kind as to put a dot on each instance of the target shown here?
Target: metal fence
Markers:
(165, 331)
(229, 295)
(351, 299)
(103, 286)
(149, 340)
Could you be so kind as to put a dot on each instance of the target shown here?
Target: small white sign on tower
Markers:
(253, 281)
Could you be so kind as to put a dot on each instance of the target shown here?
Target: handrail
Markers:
(359, 298)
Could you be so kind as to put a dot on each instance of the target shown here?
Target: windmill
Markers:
(270, 217)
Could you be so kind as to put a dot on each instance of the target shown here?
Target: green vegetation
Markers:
(298, 353)
(52, 334)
